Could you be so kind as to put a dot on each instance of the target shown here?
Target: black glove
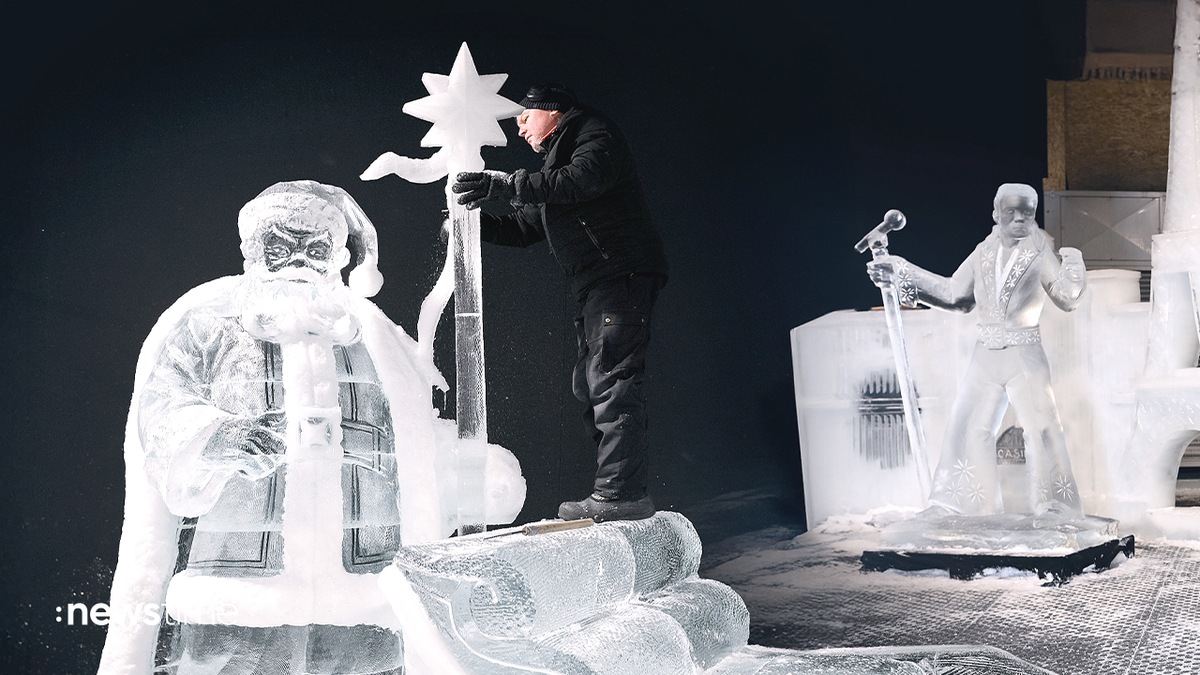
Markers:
(477, 187)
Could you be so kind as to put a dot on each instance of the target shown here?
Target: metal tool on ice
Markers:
(543, 527)
(877, 241)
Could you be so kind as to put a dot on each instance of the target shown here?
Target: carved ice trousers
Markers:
(966, 479)
(613, 331)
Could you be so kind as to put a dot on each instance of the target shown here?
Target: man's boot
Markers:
(600, 509)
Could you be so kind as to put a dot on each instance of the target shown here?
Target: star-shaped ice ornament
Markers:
(463, 106)
(465, 110)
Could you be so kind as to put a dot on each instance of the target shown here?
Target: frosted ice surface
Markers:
(702, 608)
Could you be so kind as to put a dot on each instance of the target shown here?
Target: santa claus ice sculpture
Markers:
(281, 447)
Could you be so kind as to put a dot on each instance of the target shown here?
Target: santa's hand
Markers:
(477, 187)
(882, 270)
(251, 446)
(1072, 264)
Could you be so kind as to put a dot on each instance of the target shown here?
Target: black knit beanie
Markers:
(549, 96)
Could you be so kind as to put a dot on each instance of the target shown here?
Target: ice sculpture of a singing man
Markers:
(1007, 278)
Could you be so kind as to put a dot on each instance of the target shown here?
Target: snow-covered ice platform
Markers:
(1012, 532)
(808, 592)
(1052, 545)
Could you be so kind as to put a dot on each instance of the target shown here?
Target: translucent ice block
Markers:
(606, 599)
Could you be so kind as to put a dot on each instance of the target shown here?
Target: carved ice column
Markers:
(1168, 397)
(1176, 252)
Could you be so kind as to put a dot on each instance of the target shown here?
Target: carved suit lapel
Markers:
(987, 271)
(1026, 253)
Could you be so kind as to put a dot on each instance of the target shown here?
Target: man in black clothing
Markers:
(587, 203)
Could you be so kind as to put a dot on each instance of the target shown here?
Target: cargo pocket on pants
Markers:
(623, 339)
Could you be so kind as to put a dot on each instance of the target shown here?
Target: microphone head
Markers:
(893, 220)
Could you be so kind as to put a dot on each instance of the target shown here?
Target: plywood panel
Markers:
(1117, 134)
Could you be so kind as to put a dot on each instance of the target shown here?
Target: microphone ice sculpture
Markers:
(876, 240)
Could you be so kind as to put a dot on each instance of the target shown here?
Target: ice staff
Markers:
(465, 110)
(877, 241)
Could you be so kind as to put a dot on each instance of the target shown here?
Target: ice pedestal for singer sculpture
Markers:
(619, 598)
(853, 446)
(1051, 545)
(1001, 531)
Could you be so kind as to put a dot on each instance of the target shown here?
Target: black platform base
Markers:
(1059, 568)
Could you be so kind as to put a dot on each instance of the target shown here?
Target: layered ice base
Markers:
(1009, 532)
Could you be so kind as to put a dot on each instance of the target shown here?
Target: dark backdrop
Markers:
(770, 137)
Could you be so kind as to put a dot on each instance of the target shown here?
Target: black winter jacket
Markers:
(587, 202)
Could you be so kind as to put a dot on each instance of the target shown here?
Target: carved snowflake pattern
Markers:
(942, 481)
(955, 490)
(1064, 487)
(1043, 491)
(963, 469)
(905, 285)
(975, 493)
(991, 335)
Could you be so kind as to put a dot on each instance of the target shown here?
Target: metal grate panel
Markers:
(1139, 618)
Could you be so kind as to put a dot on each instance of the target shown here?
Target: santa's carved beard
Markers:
(295, 304)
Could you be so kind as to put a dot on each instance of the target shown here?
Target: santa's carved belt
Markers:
(997, 336)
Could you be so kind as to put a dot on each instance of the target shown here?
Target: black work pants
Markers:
(613, 329)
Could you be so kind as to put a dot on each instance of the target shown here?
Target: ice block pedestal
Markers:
(1051, 544)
